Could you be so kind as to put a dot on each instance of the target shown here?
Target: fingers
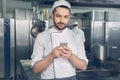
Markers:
(62, 51)
(57, 51)
(66, 52)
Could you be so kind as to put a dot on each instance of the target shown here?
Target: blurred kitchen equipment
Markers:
(100, 52)
(37, 28)
(112, 67)
(38, 22)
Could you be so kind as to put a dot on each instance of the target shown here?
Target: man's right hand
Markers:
(57, 51)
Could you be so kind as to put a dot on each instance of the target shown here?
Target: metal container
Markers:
(100, 52)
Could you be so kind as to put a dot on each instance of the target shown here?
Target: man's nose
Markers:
(62, 19)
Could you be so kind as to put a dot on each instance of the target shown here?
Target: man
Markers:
(59, 51)
(77, 30)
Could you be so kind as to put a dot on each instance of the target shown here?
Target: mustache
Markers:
(61, 23)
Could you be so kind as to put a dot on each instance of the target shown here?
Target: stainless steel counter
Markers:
(26, 71)
(91, 73)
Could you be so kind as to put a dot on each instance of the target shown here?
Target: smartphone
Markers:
(63, 44)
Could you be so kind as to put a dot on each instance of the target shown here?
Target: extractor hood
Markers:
(83, 3)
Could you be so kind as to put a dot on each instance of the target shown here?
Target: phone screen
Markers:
(63, 44)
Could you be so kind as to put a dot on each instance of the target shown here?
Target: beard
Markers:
(59, 28)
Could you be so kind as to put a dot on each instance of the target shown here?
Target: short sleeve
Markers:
(37, 50)
(81, 49)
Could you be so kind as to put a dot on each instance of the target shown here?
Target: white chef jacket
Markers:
(46, 41)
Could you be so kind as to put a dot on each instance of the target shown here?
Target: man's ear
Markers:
(52, 16)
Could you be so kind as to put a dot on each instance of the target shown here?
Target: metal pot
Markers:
(38, 27)
(100, 52)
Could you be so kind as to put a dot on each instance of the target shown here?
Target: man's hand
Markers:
(57, 51)
(61, 51)
(66, 52)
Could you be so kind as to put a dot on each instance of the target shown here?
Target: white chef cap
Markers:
(75, 23)
(61, 2)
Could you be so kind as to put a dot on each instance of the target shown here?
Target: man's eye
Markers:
(66, 17)
(58, 16)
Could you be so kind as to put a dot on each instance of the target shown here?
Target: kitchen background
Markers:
(22, 20)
